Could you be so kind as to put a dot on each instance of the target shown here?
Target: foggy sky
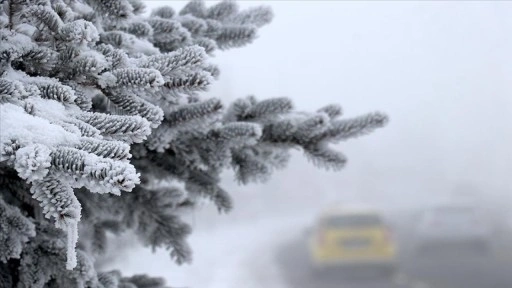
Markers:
(442, 71)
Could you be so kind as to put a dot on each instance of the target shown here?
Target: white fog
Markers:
(435, 180)
(441, 70)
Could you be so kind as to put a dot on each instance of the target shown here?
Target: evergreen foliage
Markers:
(104, 129)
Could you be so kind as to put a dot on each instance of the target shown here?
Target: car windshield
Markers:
(353, 221)
(452, 214)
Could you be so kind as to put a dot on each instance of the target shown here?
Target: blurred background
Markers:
(442, 71)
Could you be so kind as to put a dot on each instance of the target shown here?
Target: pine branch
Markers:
(132, 129)
(97, 97)
(17, 230)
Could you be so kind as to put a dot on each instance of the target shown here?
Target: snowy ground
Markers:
(238, 255)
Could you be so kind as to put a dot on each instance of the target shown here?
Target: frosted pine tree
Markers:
(104, 128)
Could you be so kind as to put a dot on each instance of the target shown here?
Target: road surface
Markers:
(450, 272)
(271, 253)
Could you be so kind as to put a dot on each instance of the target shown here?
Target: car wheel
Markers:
(484, 249)
(421, 250)
(315, 271)
(389, 273)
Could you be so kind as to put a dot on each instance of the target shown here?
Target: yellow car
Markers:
(352, 238)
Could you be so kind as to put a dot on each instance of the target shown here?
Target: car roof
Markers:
(448, 207)
(349, 211)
